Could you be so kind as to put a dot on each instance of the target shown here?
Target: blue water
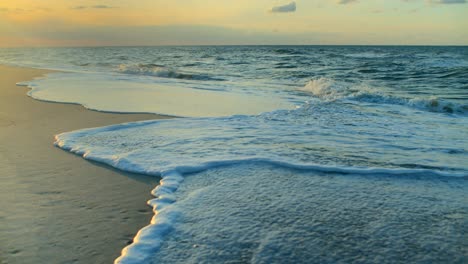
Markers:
(289, 154)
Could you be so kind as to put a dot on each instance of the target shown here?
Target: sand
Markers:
(57, 207)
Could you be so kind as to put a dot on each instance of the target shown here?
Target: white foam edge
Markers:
(149, 239)
(69, 141)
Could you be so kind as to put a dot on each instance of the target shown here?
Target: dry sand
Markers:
(56, 207)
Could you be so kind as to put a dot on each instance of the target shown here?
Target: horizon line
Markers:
(242, 45)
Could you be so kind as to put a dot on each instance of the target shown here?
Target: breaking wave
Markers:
(286, 51)
(329, 90)
(367, 55)
(162, 71)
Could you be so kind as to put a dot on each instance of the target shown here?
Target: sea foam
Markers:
(257, 195)
(282, 152)
(279, 136)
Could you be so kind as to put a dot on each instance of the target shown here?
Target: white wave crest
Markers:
(325, 89)
(162, 71)
(367, 55)
(152, 70)
(329, 90)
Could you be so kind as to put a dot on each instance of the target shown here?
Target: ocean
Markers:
(285, 154)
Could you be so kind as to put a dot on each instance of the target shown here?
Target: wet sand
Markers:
(57, 207)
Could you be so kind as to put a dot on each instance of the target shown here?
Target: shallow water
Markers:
(268, 214)
(337, 154)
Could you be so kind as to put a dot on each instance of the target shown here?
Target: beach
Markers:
(58, 207)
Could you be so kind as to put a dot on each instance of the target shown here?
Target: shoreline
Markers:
(56, 206)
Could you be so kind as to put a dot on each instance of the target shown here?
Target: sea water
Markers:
(288, 155)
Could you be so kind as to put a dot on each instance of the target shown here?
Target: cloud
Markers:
(344, 2)
(43, 9)
(291, 7)
(94, 6)
(102, 6)
(14, 10)
(21, 10)
(447, 1)
(79, 7)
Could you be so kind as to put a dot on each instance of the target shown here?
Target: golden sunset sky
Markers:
(205, 22)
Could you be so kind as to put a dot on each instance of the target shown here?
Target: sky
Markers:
(232, 22)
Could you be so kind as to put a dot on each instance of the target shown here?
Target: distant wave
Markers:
(288, 51)
(367, 55)
(446, 63)
(330, 90)
(285, 65)
(458, 72)
(156, 70)
(238, 63)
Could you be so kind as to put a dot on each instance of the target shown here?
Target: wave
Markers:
(157, 70)
(68, 142)
(149, 239)
(238, 63)
(285, 65)
(460, 72)
(288, 51)
(446, 62)
(330, 90)
(75, 142)
(367, 55)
